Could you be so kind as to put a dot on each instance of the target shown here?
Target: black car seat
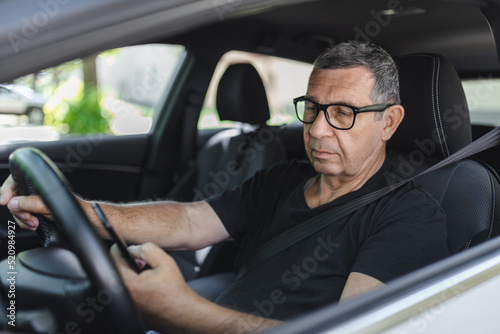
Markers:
(437, 124)
(231, 156)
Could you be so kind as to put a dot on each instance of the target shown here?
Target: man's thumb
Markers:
(150, 253)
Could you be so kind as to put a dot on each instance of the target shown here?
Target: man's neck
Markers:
(323, 188)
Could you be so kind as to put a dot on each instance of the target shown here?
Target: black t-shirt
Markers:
(396, 234)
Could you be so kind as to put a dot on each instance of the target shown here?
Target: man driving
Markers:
(350, 110)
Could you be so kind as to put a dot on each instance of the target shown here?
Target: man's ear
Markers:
(392, 118)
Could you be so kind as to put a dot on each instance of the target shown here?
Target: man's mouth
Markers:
(321, 154)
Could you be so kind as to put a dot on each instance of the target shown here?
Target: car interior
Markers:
(435, 51)
(425, 137)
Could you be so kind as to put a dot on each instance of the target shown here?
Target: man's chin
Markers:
(326, 168)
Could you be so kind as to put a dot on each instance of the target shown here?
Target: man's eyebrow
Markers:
(313, 99)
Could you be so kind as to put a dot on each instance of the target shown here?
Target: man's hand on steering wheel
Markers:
(23, 208)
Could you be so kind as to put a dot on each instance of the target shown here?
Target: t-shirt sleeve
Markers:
(230, 207)
(409, 234)
(237, 207)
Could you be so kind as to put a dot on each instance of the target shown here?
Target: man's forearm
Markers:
(170, 225)
(166, 224)
(237, 322)
(207, 317)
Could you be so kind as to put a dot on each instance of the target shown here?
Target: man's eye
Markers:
(342, 113)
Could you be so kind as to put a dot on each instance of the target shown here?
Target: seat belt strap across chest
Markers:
(315, 224)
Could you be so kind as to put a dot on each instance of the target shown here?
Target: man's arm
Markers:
(358, 283)
(168, 304)
(170, 225)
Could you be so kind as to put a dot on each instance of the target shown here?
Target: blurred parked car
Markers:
(21, 100)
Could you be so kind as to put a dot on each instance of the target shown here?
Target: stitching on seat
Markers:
(435, 97)
(493, 204)
(438, 107)
(435, 104)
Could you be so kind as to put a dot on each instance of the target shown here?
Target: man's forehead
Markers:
(349, 73)
(355, 80)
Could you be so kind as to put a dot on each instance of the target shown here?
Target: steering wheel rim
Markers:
(47, 231)
(80, 236)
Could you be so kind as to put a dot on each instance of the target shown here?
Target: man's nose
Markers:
(320, 127)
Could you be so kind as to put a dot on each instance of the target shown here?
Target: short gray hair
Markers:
(373, 58)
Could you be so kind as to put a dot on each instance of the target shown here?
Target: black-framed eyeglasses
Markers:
(340, 116)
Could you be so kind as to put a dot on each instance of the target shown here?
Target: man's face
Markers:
(344, 153)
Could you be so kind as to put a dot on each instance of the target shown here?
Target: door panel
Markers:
(104, 167)
(97, 167)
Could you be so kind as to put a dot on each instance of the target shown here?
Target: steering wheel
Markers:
(47, 231)
(34, 173)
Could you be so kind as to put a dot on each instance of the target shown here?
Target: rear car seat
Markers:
(230, 156)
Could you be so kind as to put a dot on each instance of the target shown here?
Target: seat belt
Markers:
(305, 229)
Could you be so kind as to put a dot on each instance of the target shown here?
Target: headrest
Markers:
(241, 96)
(436, 121)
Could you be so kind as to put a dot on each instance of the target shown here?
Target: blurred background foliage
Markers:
(82, 113)
(75, 106)
(114, 92)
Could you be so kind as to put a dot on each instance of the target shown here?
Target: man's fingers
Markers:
(26, 220)
(121, 265)
(7, 190)
(32, 204)
(150, 253)
(23, 207)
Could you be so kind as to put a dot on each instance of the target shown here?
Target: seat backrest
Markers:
(436, 118)
(436, 125)
(234, 155)
(467, 192)
(231, 156)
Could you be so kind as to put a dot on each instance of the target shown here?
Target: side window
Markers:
(483, 99)
(114, 92)
(284, 79)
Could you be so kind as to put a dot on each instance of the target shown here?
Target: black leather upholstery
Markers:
(436, 114)
(467, 192)
(436, 125)
(241, 96)
(231, 156)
